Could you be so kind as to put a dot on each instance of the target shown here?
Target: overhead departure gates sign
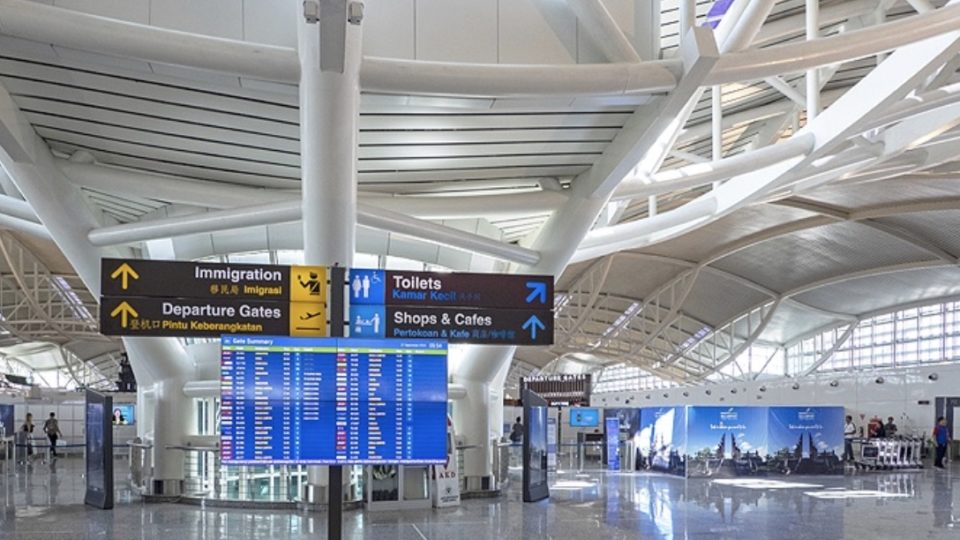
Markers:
(144, 316)
(167, 298)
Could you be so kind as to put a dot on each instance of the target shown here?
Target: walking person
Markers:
(516, 432)
(52, 428)
(849, 433)
(23, 437)
(941, 437)
(516, 437)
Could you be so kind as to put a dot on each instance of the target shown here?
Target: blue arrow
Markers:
(537, 289)
(532, 324)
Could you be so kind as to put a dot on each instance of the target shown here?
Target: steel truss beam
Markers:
(37, 305)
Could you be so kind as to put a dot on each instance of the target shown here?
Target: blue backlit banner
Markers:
(612, 447)
(628, 423)
(629, 419)
(662, 439)
(332, 401)
(806, 440)
(726, 441)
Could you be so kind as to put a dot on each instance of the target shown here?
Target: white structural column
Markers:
(687, 15)
(716, 118)
(176, 189)
(742, 23)
(329, 124)
(604, 31)
(902, 72)
(591, 191)
(290, 211)
(813, 75)
(160, 364)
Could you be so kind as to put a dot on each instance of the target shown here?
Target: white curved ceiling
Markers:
(825, 254)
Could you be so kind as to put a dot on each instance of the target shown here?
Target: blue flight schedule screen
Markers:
(332, 401)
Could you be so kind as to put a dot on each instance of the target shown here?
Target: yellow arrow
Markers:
(124, 309)
(124, 271)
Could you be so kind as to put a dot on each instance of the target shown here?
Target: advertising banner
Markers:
(726, 442)
(662, 439)
(805, 440)
(612, 425)
(629, 422)
(535, 484)
(552, 445)
(6, 420)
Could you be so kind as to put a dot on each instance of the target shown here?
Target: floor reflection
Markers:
(45, 501)
(787, 507)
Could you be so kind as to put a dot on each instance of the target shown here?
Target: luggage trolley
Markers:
(866, 454)
(888, 454)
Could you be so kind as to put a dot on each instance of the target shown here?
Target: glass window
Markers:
(260, 257)
(290, 256)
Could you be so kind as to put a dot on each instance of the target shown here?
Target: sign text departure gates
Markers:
(167, 298)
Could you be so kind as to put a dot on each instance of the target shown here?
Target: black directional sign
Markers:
(500, 309)
(465, 325)
(398, 288)
(173, 298)
(142, 316)
(165, 279)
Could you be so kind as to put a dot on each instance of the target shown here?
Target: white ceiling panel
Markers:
(891, 191)
(940, 228)
(814, 254)
(715, 300)
(697, 245)
(790, 321)
(886, 291)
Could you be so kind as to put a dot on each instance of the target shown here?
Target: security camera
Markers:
(733, 390)
(879, 380)
(709, 392)
(666, 395)
(627, 402)
(834, 383)
(355, 12)
(933, 376)
(796, 386)
(763, 388)
(648, 396)
(686, 394)
(311, 11)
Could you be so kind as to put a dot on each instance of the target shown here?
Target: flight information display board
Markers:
(327, 401)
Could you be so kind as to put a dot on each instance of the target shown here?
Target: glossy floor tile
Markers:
(45, 502)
